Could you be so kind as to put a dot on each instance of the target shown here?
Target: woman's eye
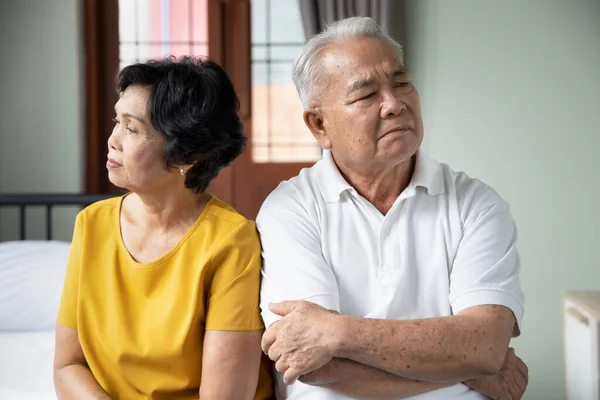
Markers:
(129, 128)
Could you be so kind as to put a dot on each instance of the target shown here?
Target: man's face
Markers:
(369, 111)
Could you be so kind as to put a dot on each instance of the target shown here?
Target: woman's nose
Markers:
(113, 140)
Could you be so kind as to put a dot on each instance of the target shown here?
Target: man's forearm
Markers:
(446, 349)
(364, 382)
(76, 382)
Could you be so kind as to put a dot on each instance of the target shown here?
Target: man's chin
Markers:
(400, 151)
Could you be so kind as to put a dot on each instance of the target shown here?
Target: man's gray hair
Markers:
(307, 69)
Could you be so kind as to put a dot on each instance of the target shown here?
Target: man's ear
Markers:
(314, 121)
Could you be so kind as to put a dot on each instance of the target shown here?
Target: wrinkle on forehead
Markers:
(134, 101)
(356, 62)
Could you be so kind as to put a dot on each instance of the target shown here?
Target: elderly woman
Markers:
(161, 294)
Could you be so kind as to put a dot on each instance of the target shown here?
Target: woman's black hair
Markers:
(192, 103)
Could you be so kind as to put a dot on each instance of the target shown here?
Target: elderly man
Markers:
(386, 274)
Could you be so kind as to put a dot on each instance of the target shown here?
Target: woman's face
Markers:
(135, 149)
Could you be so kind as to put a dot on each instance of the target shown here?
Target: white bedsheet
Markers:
(26, 365)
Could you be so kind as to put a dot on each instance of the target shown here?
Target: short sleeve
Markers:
(293, 263)
(234, 285)
(67, 312)
(486, 267)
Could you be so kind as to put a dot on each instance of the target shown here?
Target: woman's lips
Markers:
(112, 164)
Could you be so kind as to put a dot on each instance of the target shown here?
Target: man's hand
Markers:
(509, 384)
(302, 341)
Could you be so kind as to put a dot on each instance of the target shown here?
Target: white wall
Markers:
(41, 103)
(510, 92)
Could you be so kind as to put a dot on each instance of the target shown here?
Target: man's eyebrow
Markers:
(361, 84)
(399, 72)
(358, 85)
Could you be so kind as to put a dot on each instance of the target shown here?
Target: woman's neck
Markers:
(167, 209)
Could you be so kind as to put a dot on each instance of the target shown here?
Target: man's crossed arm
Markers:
(371, 358)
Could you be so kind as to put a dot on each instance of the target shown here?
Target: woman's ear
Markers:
(183, 168)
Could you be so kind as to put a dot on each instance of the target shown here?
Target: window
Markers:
(153, 29)
(278, 130)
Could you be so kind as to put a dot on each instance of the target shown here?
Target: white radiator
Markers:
(581, 313)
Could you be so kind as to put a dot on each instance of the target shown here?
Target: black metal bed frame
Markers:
(49, 201)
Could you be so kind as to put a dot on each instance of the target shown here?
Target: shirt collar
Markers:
(331, 181)
(427, 174)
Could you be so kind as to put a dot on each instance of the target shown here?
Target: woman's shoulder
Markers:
(102, 211)
(218, 209)
(227, 222)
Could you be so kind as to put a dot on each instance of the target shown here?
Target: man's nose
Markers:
(392, 106)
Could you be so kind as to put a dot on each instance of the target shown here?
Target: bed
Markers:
(31, 277)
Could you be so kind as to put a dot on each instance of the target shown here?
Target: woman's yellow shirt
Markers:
(141, 326)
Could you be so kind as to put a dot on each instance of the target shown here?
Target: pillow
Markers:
(31, 279)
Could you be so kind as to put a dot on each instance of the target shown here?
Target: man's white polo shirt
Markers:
(447, 243)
